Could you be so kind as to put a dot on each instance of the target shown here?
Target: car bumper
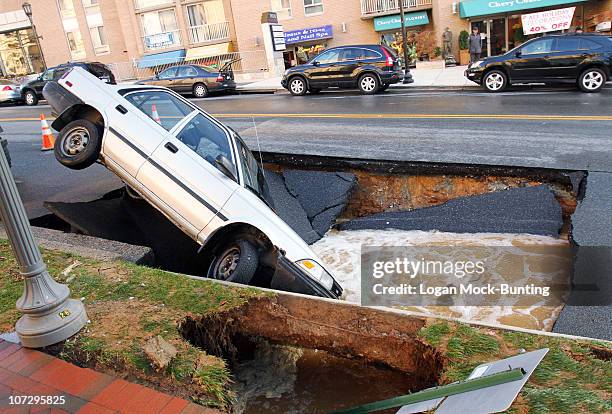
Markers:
(474, 74)
(289, 277)
(10, 96)
(228, 85)
(390, 78)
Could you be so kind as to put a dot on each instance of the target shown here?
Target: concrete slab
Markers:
(592, 221)
(532, 210)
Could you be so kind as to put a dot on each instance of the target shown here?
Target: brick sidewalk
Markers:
(26, 372)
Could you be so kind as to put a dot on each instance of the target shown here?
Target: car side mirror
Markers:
(315, 63)
(225, 166)
(518, 54)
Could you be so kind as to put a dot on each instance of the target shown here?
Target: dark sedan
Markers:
(197, 80)
(581, 59)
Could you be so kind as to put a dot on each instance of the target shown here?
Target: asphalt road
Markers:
(534, 127)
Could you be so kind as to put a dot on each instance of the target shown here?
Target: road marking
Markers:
(518, 117)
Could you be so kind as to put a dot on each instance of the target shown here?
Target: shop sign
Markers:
(395, 22)
(469, 8)
(310, 34)
(548, 21)
(603, 26)
(278, 37)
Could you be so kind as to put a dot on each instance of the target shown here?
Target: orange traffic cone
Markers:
(48, 140)
(154, 114)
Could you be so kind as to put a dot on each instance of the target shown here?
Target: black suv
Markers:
(31, 91)
(371, 68)
(583, 59)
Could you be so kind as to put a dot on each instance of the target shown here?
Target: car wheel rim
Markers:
(199, 90)
(297, 86)
(226, 266)
(29, 98)
(368, 84)
(495, 81)
(75, 142)
(592, 80)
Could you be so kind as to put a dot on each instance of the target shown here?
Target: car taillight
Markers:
(7, 88)
(389, 58)
(220, 78)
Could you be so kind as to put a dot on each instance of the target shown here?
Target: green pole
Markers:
(439, 392)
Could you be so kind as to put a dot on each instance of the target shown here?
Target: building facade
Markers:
(138, 37)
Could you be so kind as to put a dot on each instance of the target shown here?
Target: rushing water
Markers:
(341, 251)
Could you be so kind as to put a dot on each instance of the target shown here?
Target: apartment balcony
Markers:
(209, 32)
(371, 8)
(149, 4)
(159, 41)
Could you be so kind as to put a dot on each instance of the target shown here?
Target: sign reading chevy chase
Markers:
(307, 35)
(469, 8)
(395, 22)
(548, 21)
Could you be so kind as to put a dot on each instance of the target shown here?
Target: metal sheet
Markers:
(420, 407)
(499, 397)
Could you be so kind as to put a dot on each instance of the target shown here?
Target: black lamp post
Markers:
(407, 74)
(27, 9)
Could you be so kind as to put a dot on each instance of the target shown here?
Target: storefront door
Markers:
(493, 34)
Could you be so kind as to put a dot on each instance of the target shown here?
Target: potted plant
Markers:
(464, 53)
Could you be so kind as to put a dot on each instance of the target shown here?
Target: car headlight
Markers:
(477, 63)
(317, 272)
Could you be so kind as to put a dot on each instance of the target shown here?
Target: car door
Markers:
(185, 78)
(166, 78)
(134, 133)
(40, 83)
(349, 63)
(531, 63)
(320, 72)
(565, 58)
(182, 171)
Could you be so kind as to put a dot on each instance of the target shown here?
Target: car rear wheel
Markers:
(30, 98)
(592, 80)
(297, 86)
(78, 144)
(235, 262)
(368, 84)
(200, 90)
(495, 81)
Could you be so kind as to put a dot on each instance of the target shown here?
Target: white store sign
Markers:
(548, 21)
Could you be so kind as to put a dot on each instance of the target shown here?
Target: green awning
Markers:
(395, 22)
(469, 8)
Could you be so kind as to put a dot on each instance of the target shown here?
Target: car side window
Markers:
(350, 53)
(370, 54)
(539, 46)
(205, 138)
(586, 44)
(168, 73)
(48, 75)
(330, 56)
(162, 107)
(567, 44)
(185, 71)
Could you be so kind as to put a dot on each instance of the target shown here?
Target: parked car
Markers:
(31, 92)
(370, 68)
(9, 91)
(195, 170)
(197, 80)
(582, 59)
(4, 145)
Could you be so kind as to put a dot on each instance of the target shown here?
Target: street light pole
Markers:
(49, 315)
(407, 74)
(27, 9)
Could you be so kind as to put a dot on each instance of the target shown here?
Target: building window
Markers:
(282, 8)
(66, 8)
(143, 4)
(98, 38)
(207, 22)
(75, 43)
(160, 29)
(90, 3)
(313, 7)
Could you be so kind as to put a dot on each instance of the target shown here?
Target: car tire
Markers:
(78, 144)
(297, 86)
(30, 98)
(314, 91)
(200, 90)
(592, 80)
(235, 262)
(495, 81)
(368, 84)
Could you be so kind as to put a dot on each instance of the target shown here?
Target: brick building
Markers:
(139, 36)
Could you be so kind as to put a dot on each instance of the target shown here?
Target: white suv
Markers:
(195, 170)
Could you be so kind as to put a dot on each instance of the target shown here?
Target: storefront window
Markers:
(19, 53)
(305, 53)
(313, 7)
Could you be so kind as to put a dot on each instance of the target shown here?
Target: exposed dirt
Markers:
(353, 332)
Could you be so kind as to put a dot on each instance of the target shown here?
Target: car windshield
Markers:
(254, 178)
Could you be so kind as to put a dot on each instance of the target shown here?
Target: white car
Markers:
(195, 170)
